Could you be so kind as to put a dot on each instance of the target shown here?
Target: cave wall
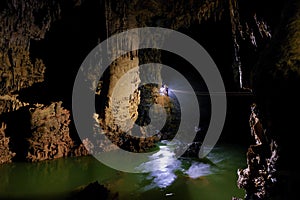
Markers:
(260, 178)
(265, 62)
(50, 132)
(249, 34)
(25, 128)
(274, 80)
(6, 154)
(118, 16)
(20, 23)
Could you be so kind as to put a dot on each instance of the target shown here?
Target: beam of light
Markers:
(213, 93)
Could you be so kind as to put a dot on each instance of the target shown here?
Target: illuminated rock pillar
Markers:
(122, 96)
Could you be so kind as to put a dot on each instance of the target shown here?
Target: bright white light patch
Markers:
(162, 90)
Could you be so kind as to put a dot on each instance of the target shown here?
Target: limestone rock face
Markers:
(50, 132)
(250, 34)
(45, 128)
(5, 154)
(20, 22)
(276, 80)
(120, 109)
(260, 177)
(9, 103)
(123, 97)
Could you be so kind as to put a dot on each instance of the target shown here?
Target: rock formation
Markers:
(274, 79)
(10, 103)
(50, 132)
(250, 33)
(25, 21)
(5, 154)
(118, 113)
(92, 191)
(21, 22)
(259, 179)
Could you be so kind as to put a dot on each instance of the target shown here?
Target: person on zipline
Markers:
(164, 90)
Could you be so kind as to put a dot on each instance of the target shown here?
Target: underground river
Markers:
(167, 177)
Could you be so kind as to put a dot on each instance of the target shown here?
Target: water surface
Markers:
(164, 177)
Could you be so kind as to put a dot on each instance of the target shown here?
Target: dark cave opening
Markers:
(197, 83)
(216, 39)
(18, 133)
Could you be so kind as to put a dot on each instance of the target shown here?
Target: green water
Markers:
(168, 178)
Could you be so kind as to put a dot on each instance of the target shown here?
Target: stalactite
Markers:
(235, 25)
(22, 22)
(251, 32)
(210, 9)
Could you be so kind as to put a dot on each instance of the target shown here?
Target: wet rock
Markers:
(92, 191)
(259, 179)
(192, 150)
(108, 140)
(80, 150)
(5, 153)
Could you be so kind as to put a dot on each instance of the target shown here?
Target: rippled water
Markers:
(164, 176)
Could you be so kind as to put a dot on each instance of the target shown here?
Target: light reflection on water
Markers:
(163, 167)
(198, 170)
(166, 175)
